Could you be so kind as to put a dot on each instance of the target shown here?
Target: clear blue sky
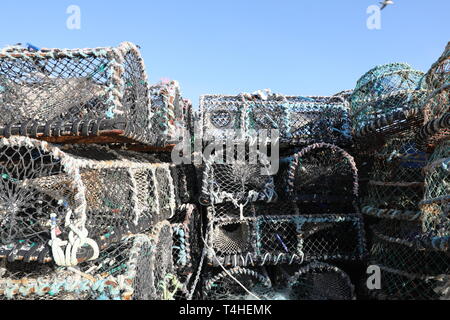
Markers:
(298, 47)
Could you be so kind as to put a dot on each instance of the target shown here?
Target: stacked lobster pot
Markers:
(85, 218)
(260, 223)
(387, 114)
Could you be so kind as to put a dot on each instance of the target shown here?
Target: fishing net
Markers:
(171, 112)
(299, 120)
(187, 244)
(67, 205)
(323, 178)
(320, 281)
(66, 95)
(275, 240)
(399, 285)
(247, 285)
(396, 183)
(185, 180)
(124, 271)
(239, 177)
(387, 99)
(436, 205)
(436, 107)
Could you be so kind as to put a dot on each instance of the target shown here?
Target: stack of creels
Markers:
(299, 120)
(137, 267)
(171, 112)
(187, 248)
(66, 206)
(396, 183)
(437, 106)
(387, 99)
(77, 96)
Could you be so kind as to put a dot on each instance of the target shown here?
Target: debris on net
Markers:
(437, 106)
(322, 179)
(436, 204)
(172, 113)
(386, 99)
(66, 95)
(299, 120)
(237, 284)
(56, 203)
(133, 269)
(396, 183)
(320, 281)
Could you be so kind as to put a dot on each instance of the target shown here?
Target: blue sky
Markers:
(316, 47)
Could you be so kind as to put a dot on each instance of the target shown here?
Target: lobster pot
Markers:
(187, 243)
(185, 180)
(387, 99)
(396, 183)
(399, 285)
(222, 286)
(239, 176)
(320, 281)
(322, 179)
(88, 196)
(82, 95)
(398, 248)
(299, 120)
(436, 205)
(171, 112)
(127, 270)
(275, 240)
(436, 107)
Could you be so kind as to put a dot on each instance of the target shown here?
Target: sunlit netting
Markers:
(299, 120)
(171, 112)
(320, 281)
(323, 178)
(398, 285)
(437, 106)
(187, 244)
(222, 286)
(407, 251)
(396, 183)
(65, 206)
(436, 204)
(126, 270)
(274, 240)
(55, 93)
(243, 178)
(386, 99)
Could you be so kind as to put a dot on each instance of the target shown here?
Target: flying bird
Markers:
(385, 3)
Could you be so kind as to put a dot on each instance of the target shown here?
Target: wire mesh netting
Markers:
(386, 99)
(299, 120)
(54, 93)
(396, 183)
(320, 281)
(436, 204)
(323, 179)
(437, 106)
(171, 112)
(185, 180)
(187, 243)
(236, 284)
(67, 205)
(126, 270)
(239, 176)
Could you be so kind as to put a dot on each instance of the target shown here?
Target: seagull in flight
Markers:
(385, 3)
